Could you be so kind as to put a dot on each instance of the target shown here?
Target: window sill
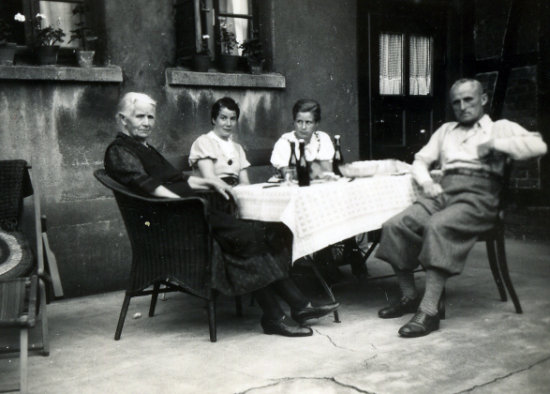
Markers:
(180, 77)
(62, 73)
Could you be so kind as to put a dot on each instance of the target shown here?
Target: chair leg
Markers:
(239, 306)
(490, 246)
(373, 245)
(441, 305)
(212, 319)
(44, 319)
(327, 290)
(501, 254)
(122, 316)
(23, 360)
(154, 298)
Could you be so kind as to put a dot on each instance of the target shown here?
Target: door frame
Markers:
(370, 16)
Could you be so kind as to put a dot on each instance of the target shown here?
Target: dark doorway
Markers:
(401, 77)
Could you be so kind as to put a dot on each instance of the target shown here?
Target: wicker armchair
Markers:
(171, 246)
(23, 281)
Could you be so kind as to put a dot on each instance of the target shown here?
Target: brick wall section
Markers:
(520, 104)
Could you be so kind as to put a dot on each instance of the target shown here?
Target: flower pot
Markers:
(229, 63)
(85, 58)
(201, 63)
(47, 55)
(7, 53)
(255, 67)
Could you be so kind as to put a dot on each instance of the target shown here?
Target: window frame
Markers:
(205, 15)
(31, 8)
(252, 21)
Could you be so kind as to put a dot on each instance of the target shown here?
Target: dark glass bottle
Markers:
(338, 158)
(303, 166)
(293, 161)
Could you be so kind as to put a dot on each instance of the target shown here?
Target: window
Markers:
(394, 67)
(58, 13)
(196, 19)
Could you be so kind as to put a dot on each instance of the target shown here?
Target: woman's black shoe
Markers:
(406, 305)
(313, 312)
(282, 327)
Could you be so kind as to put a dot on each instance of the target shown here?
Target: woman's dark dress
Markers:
(247, 255)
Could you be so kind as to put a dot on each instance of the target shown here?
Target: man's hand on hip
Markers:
(431, 189)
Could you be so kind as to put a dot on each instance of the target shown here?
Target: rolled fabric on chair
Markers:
(16, 257)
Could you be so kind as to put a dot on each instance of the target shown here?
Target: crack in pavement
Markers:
(505, 376)
(282, 380)
(332, 342)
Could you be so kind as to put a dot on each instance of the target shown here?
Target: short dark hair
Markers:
(224, 102)
(307, 105)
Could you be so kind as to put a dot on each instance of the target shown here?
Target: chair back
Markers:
(170, 238)
(506, 176)
(14, 185)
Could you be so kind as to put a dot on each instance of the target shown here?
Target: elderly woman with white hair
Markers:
(253, 259)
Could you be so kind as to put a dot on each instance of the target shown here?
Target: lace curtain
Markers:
(60, 14)
(391, 63)
(420, 65)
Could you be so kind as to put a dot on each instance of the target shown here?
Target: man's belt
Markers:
(472, 172)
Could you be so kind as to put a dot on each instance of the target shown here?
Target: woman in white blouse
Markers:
(318, 145)
(215, 154)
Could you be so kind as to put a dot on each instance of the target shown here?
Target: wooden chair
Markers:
(171, 243)
(495, 246)
(23, 299)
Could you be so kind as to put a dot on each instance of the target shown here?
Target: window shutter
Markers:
(185, 32)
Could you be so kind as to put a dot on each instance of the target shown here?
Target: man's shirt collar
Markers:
(484, 123)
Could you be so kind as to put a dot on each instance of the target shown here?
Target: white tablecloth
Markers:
(325, 213)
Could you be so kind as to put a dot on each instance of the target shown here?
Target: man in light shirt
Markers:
(442, 226)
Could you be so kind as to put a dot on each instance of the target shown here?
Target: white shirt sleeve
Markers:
(427, 155)
(514, 140)
(281, 153)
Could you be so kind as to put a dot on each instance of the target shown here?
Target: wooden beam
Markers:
(508, 43)
(543, 92)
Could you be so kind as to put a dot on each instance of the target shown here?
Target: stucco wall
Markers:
(316, 49)
(64, 127)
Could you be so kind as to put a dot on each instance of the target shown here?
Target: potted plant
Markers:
(7, 48)
(252, 50)
(45, 39)
(84, 35)
(201, 59)
(228, 61)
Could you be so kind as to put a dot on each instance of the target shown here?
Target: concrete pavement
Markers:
(482, 347)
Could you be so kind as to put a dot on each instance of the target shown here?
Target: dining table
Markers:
(327, 212)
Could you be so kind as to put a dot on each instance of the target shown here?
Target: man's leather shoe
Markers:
(421, 324)
(312, 312)
(282, 327)
(406, 305)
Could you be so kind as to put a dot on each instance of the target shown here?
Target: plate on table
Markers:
(359, 169)
(367, 168)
